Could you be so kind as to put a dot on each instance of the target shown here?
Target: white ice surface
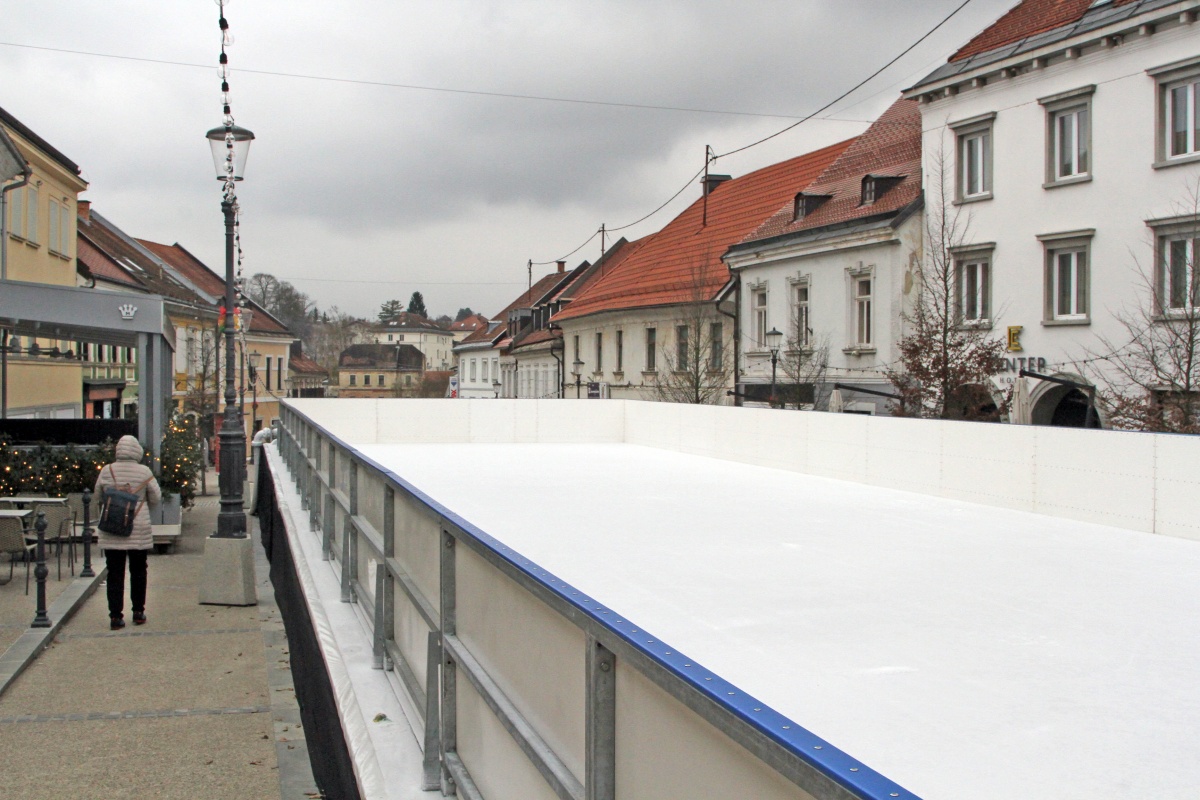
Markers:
(963, 651)
(385, 754)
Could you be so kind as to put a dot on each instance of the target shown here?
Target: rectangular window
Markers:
(16, 213)
(496, 368)
(484, 367)
(472, 370)
(380, 380)
(716, 344)
(681, 347)
(1068, 135)
(1179, 281)
(620, 351)
(758, 304)
(1071, 141)
(268, 383)
(576, 340)
(974, 150)
(973, 147)
(1068, 278)
(651, 349)
(599, 352)
(862, 311)
(366, 380)
(801, 325)
(53, 220)
(972, 295)
(1183, 118)
(353, 379)
(279, 373)
(31, 215)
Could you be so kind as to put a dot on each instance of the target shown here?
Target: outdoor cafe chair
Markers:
(60, 525)
(12, 541)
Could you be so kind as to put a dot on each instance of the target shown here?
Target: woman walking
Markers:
(128, 471)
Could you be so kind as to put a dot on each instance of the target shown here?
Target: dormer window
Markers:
(875, 186)
(805, 204)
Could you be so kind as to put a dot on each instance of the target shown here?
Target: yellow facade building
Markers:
(40, 377)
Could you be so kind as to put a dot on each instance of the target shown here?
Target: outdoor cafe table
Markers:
(14, 513)
(22, 500)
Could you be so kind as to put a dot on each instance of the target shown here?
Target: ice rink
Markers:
(961, 650)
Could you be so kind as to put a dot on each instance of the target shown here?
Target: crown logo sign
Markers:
(128, 310)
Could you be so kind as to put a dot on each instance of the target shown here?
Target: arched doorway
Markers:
(972, 401)
(1061, 406)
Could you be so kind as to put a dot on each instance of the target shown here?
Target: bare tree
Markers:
(1152, 367)
(697, 364)
(803, 363)
(945, 361)
(333, 334)
(203, 380)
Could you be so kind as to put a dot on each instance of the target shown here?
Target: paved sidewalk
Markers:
(196, 703)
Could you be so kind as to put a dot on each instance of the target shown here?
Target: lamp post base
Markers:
(228, 572)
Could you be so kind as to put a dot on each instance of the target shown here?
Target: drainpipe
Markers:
(737, 329)
(26, 175)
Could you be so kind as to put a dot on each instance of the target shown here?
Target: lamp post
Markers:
(578, 373)
(496, 387)
(253, 361)
(774, 337)
(230, 145)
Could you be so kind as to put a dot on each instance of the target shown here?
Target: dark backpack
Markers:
(118, 507)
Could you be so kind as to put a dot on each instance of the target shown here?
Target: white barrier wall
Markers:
(1145, 482)
(527, 688)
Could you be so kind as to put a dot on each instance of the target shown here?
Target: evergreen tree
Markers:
(390, 311)
(463, 313)
(417, 305)
(181, 458)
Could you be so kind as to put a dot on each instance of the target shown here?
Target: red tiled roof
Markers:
(115, 244)
(303, 365)
(102, 267)
(486, 334)
(682, 262)
(1028, 18)
(890, 147)
(530, 297)
(471, 323)
(198, 273)
(537, 337)
(406, 319)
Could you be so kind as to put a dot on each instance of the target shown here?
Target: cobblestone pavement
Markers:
(197, 703)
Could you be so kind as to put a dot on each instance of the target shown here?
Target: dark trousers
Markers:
(116, 580)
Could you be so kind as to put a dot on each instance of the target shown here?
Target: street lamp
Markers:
(496, 387)
(578, 373)
(230, 146)
(774, 337)
(253, 361)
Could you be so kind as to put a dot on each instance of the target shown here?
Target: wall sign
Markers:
(1014, 338)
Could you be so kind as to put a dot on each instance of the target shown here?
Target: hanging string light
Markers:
(227, 111)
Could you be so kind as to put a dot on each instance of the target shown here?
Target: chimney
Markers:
(562, 266)
(711, 182)
(84, 210)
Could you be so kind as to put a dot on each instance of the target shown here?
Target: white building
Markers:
(435, 342)
(477, 358)
(831, 270)
(1066, 137)
(654, 325)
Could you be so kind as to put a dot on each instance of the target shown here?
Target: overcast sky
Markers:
(358, 192)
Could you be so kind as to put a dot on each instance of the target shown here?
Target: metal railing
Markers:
(468, 685)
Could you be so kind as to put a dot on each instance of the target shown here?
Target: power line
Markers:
(411, 282)
(857, 86)
(709, 159)
(412, 86)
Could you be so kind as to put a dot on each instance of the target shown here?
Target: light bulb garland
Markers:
(227, 111)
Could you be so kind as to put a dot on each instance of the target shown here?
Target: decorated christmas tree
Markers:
(181, 458)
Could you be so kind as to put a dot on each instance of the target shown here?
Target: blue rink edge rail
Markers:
(825, 757)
